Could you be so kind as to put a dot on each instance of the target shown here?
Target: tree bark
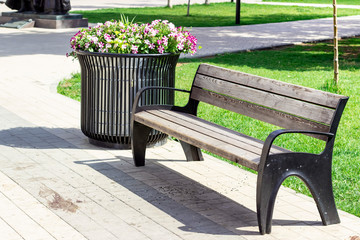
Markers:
(169, 3)
(207, 2)
(188, 9)
(336, 46)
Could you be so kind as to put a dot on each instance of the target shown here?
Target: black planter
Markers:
(109, 83)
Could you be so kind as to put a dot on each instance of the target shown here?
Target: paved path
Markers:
(55, 185)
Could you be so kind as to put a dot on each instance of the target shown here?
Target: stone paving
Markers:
(55, 185)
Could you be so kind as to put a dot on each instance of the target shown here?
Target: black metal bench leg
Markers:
(268, 185)
(139, 137)
(192, 153)
(314, 170)
(320, 185)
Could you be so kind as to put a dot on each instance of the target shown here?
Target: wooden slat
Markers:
(199, 140)
(216, 131)
(270, 100)
(277, 87)
(264, 114)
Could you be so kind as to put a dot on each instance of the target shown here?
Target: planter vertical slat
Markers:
(109, 83)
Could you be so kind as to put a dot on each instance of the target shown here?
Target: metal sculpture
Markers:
(57, 7)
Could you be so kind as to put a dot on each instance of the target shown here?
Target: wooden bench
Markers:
(295, 108)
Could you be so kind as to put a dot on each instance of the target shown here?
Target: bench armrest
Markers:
(272, 136)
(144, 89)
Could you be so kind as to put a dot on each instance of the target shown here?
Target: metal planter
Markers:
(109, 83)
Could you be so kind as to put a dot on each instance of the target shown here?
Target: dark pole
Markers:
(238, 7)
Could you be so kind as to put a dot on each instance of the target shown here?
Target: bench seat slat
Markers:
(286, 89)
(216, 131)
(203, 138)
(267, 99)
(199, 140)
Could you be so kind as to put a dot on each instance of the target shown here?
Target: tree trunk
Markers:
(336, 46)
(188, 9)
(169, 3)
(207, 2)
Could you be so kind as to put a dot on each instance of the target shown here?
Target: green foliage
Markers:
(71, 87)
(307, 65)
(215, 14)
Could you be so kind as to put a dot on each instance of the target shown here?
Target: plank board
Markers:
(200, 140)
(257, 112)
(216, 131)
(277, 87)
(235, 147)
(266, 99)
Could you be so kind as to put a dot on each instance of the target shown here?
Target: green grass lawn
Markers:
(346, 2)
(308, 65)
(216, 14)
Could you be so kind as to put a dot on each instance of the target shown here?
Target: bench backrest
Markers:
(278, 103)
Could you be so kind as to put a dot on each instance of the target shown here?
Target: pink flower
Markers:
(180, 46)
(165, 40)
(95, 40)
(152, 46)
(159, 36)
(134, 49)
(172, 26)
(161, 49)
(146, 29)
(107, 37)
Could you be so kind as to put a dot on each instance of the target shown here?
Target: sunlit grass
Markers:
(215, 14)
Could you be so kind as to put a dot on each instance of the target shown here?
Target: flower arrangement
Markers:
(157, 37)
